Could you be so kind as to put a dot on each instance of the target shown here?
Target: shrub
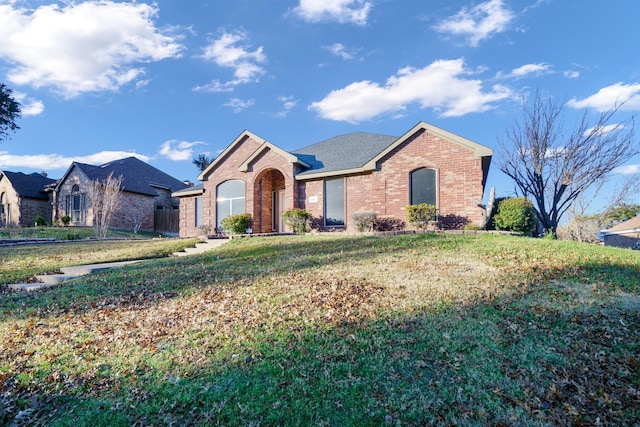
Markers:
(516, 214)
(236, 224)
(420, 215)
(389, 224)
(364, 220)
(297, 220)
(40, 221)
(66, 219)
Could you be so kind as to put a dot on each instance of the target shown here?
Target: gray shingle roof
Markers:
(137, 176)
(343, 152)
(30, 186)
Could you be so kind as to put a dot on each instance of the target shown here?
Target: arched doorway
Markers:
(268, 202)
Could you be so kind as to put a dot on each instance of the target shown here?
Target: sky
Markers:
(168, 80)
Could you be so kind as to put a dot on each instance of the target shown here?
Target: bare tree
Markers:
(553, 165)
(105, 199)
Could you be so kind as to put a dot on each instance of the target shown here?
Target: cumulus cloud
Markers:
(178, 150)
(341, 11)
(478, 23)
(239, 105)
(28, 105)
(527, 70)
(339, 50)
(230, 51)
(627, 170)
(607, 98)
(91, 46)
(442, 86)
(57, 161)
(288, 104)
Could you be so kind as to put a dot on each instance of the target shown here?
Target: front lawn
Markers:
(334, 330)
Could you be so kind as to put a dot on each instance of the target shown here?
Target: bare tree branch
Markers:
(105, 199)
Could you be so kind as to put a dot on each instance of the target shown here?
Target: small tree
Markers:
(297, 220)
(9, 112)
(421, 215)
(554, 165)
(202, 161)
(105, 199)
(516, 214)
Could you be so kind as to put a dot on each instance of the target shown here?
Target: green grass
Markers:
(334, 330)
(67, 233)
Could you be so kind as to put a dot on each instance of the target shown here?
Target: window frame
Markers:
(435, 186)
(329, 193)
(238, 200)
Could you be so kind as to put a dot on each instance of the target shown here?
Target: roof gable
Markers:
(29, 185)
(266, 145)
(137, 176)
(218, 160)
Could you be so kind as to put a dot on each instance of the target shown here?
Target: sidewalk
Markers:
(47, 280)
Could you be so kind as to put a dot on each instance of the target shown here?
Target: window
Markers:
(77, 204)
(229, 200)
(199, 211)
(423, 186)
(334, 202)
(4, 210)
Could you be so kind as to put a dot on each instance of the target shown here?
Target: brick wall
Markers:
(22, 211)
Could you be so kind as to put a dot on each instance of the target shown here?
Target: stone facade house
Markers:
(23, 198)
(146, 192)
(623, 235)
(334, 178)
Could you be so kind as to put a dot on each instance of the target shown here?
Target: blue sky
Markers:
(167, 80)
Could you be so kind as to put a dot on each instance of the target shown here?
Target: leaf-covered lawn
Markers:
(334, 330)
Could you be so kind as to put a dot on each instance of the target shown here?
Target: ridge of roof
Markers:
(29, 185)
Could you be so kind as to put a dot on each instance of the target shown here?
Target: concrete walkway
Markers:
(47, 280)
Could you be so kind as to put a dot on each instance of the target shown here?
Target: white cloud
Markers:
(238, 104)
(85, 47)
(527, 70)
(338, 49)
(607, 98)
(288, 104)
(602, 130)
(441, 86)
(342, 11)
(572, 74)
(178, 150)
(627, 170)
(57, 161)
(229, 51)
(29, 106)
(477, 23)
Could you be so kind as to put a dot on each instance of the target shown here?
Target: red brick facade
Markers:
(266, 170)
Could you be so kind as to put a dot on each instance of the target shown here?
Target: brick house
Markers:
(23, 198)
(333, 179)
(145, 198)
(623, 235)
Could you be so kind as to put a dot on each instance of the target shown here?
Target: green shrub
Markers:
(364, 220)
(236, 224)
(66, 219)
(420, 215)
(40, 221)
(516, 214)
(297, 220)
(389, 224)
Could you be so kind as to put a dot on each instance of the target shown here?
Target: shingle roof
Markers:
(628, 225)
(343, 152)
(137, 176)
(30, 186)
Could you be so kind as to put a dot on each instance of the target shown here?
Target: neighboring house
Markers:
(146, 201)
(624, 235)
(23, 198)
(337, 177)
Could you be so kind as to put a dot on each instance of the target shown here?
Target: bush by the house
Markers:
(236, 224)
(66, 219)
(389, 224)
(40, 221)
(516, 214)
(297, 220)
(364, 220)
(421, 215)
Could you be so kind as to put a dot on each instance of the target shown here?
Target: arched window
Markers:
(77, 202)
(4, 220)
(423, 186)
(229, 199)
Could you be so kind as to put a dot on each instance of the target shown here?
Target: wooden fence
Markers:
(166, 221)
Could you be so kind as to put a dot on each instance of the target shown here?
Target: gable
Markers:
(30, 186)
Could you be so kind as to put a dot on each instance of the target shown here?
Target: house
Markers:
(624, 235)
(146, 202)
(333, 179)
(23, 198)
